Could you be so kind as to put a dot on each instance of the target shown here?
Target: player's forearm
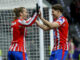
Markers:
(33, 19)
(44, 27)
(28, 22)
(50, 24)
(39, 24)
(46, 22)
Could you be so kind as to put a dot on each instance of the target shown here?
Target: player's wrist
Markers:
(41, 18)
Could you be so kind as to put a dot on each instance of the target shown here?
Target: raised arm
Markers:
(44, 27)
(50, 24)
(33, 17)
(29, 22)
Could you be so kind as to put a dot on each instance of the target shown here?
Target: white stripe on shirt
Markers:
(24, 22)
(58, 38)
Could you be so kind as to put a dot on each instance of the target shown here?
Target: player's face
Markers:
(24, 14)
(55, 12)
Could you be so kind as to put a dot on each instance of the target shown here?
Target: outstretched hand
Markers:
(37, 8)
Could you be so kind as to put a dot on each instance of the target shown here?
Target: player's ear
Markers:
(58, 11)
(21, 13)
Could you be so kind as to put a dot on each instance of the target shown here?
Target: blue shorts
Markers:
(15, 55)
(57, 55)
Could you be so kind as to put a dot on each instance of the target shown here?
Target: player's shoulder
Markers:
(61, 19)
(64, 19)
(21, 19)
(14, 22)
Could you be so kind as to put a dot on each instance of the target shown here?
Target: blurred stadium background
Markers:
(33, 43)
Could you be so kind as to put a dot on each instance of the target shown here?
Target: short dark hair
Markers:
(57, 7)
(17, 11)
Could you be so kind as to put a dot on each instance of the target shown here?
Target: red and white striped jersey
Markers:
(61, 34)
(18, 27)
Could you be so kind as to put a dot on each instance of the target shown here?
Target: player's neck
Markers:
(60, 14)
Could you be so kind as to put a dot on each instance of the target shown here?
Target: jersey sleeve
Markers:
(29, 22)
(60, 21)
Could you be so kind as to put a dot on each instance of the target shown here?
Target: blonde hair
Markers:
(17, 11)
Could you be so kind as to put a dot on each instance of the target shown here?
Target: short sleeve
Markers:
(60, 21)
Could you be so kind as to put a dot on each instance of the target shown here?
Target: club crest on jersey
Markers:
(62, 21)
